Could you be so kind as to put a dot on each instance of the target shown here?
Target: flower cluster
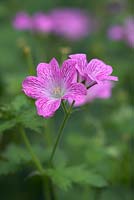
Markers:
(77, 81)
(123, 32)
(70, 23)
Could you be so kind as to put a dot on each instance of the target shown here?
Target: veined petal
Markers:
(81, 62)
(79, 101)
(43, 70)
(49, 71)
(112, 78)
(98, 71)
(76, 92)
(55, 73)
(47, 107)
(32, 87)
(99, 91)
(96, 66)
(68, 71)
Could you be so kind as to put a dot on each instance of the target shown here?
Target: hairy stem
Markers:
(33, 155)
(64, 107)
(68, 113)
(29, 59)
(38, 165)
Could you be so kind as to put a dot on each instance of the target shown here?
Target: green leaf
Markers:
(64, 177)
(26, 113)
(15, 157)
(29, 119)
(19, 103)
(22, 111)
(16, 154)
(6, 125)
(7, 167)
(123, 119)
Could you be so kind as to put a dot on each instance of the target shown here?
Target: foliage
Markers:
(21, 112)
(95, 158)
(64, 177)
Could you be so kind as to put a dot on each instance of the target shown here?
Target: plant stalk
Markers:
(67, 115)
(30, 149)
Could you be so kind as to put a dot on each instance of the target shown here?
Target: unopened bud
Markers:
(26, 50)
(65, 50)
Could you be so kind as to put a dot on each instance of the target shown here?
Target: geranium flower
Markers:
(42, 22)
(129, 31)
(123, 32)
(97, 92)
(71, 23)
(96, 71)
(52, 85)
(22, 21)
(116, 32)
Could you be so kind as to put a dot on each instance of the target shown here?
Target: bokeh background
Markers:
(99, 134)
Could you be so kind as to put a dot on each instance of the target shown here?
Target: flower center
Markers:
(57, 92)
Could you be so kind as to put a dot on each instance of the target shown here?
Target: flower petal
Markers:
(81, 62)
(98, 71)
(54, 72)
(97, 66)
(43, 70)
(68, 71)
(112, 78)
(76, 92)
(32, 87)
(99, 91)
(47, 107)
(49, 71)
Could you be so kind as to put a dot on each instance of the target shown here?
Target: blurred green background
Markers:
(100, 134)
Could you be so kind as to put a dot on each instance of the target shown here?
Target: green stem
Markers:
(30, 63)
(64, 107)
(38, 165)
(47, 133)
(29, 60)
(60, 132)
(46, 188)
(98, 192)
(33, 155)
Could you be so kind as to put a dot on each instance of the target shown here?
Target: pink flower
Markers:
(96, 71)
(70, 23)
(52, 85)
(116, 32)
(124, 32)
(22, 21)
(129, 31)
(97, 91)
(42, 22)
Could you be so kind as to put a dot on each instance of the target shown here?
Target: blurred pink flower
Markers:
(116, 32)
(97, 92)
(124, 32)
(42, 22)
(129, 31)
(52, 85)
(70, 23)
(22, 21)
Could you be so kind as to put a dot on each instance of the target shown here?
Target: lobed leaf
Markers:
(7, 125)
(64, 177)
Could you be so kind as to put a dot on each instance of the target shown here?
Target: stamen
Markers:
(57, 91)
